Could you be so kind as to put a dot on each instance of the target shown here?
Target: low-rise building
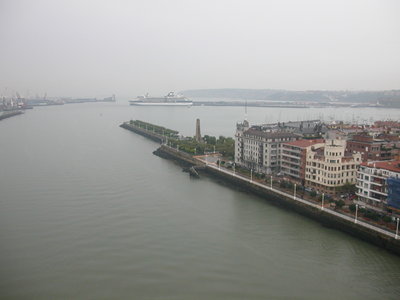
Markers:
(331, 166)
(372, 185)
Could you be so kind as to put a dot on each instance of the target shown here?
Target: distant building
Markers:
(372, 184)
(331, 166)
(258, 149)
(308, 129)
(381, 147)
(293, 158)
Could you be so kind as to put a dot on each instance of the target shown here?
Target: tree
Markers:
(347, 188)
(340, 203)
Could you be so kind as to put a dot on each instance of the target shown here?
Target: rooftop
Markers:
(305, 143)
(269, 135)
(393, 165)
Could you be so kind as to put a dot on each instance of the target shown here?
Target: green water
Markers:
(87, 212)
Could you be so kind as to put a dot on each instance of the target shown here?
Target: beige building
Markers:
(330, 167)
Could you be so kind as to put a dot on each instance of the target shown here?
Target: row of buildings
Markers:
(322, 157)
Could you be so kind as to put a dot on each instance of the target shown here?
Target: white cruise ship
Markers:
(169, 100)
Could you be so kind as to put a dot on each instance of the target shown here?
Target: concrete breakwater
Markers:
(325, 216)
(146, 133)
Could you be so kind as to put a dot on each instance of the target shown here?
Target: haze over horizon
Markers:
(93, 48)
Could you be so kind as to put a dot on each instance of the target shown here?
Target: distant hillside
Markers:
(387, 98)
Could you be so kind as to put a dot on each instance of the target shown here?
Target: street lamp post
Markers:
(234, 172)
(322, 204)
(271, 182)
(219, 164)
(397, 229)
(251, 175)
(294, 193)
(214, 148)
(355, 219)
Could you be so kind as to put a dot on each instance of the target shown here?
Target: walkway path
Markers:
(276, 191)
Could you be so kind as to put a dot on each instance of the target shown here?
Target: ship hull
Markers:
(138, 103)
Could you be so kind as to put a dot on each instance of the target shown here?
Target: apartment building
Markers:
(331, 166)
(258, 149)
(381, 147)
(293, 158)
(372, 183)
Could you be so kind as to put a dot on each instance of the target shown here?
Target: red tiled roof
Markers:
(393, 165)
(304, 143)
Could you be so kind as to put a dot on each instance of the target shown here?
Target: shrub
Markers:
(339, 203)
(313, 194)
(352, 207)
(387, 219)
(372, 215)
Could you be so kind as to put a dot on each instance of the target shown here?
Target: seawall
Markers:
(183, 158)
(146, 133)
(325, 216)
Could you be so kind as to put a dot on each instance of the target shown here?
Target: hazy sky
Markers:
(93, 48)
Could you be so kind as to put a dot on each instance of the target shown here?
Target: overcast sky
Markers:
(95, 48)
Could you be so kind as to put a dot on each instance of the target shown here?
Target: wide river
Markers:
(88, 212)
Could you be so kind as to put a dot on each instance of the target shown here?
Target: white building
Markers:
(372, 185)
(260, 150)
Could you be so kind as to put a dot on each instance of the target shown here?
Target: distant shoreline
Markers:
(9, 114)
(386, 98)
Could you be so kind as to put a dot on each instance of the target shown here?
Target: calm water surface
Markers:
(86, 211)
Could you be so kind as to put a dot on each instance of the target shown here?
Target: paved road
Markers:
(327, 210)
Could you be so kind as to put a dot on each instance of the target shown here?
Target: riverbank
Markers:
(9, 114)
(326, 216)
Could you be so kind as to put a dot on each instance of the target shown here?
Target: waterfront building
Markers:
(374, 180)
(331, 166)
(259, 149)
(293, 158)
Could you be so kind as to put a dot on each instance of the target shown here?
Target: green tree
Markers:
(347, 188)
(340, 203)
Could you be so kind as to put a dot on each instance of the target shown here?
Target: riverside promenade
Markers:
(298, 199)
(202, 160)
(350, 224)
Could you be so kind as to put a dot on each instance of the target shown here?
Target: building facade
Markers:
(331, 166)
(381, 147)
(260, 150)
(293, 158)
(372, 185)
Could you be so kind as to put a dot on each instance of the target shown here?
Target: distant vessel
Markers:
(169, 100)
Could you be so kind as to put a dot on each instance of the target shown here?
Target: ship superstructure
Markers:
(169, 100)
